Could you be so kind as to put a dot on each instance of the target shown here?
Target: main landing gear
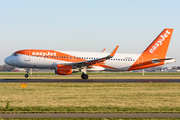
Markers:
(84, 75)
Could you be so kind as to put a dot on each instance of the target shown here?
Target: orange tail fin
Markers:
(160, 45)
(156, 50)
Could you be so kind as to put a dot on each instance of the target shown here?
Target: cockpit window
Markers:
(14, 54)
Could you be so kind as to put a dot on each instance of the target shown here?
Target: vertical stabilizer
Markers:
(156, 50)
(160, 45)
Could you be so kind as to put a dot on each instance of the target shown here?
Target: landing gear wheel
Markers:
(26, 75)
(84, 76)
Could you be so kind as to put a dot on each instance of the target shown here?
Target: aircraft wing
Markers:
(95, 61)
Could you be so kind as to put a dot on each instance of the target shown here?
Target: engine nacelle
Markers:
(63, 69)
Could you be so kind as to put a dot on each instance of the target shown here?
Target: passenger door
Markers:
(27, 57)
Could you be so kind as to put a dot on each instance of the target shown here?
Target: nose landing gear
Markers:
(26, 75)
(27, 71)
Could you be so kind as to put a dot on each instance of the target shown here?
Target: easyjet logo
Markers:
(44, 53)
(160, 41)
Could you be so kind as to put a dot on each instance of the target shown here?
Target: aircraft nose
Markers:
(7, 60)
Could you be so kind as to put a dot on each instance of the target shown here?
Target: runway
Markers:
(90, 115)
(92, 80)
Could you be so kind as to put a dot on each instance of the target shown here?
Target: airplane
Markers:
(68, 62)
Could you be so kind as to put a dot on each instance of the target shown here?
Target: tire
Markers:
(26, 75)
(84, 76)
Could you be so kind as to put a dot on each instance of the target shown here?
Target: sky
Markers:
(87, 25)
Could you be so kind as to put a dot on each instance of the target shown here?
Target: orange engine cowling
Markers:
(63, 69)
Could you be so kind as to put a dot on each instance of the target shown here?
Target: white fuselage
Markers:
(121, 62)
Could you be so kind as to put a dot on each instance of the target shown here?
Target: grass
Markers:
(90, 97)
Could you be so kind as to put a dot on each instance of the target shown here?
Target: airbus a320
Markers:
(67, 62)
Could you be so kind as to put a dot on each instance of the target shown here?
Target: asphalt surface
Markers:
(91, 80)
(95, 115)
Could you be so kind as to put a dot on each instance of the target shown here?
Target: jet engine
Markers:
(63, 69)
